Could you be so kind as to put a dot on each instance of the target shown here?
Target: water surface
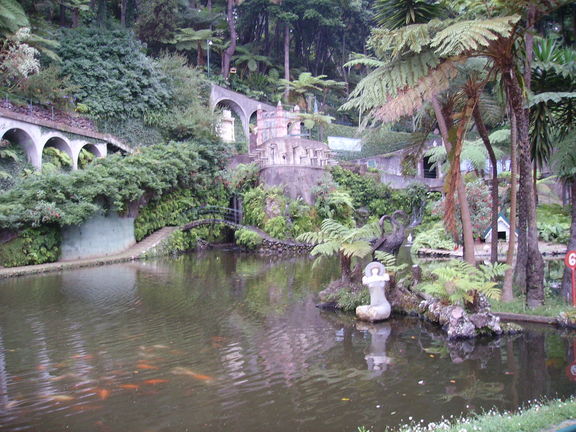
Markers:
(225, 342)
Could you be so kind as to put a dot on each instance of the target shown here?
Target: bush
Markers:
(478, 196)
(32, 246)
(113, 76)
(187, 115)
(553, 223)
(434, 238)
(120, 183)
(276, 227)
(248, 239)
(348, 300)
(456, 281)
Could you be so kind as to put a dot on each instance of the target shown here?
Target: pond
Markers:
(220, 341)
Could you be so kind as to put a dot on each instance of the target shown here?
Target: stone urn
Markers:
(375, 278)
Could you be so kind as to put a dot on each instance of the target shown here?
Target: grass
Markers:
(552, 308)
(539, 416)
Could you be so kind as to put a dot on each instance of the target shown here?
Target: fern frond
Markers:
(547, 97)
(326, 249)
(358, 249)
(385, 258)
(410, 99)
(363, 60)
(386, 81)
(467, 36)
(414, 38)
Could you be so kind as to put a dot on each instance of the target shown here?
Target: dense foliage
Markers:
(116, 183)
(367, 191)
(112, 75)
(32, 246)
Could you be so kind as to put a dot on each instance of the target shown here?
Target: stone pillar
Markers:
(226, 127)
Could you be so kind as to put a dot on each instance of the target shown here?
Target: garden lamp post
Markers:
(208, 44)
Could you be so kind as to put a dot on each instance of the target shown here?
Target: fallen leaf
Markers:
(345, 399)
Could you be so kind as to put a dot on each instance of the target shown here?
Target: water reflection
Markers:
(376, 358)
(218, 341)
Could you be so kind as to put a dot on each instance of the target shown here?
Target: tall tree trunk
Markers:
(199, 54)
(75, 17)
(123, 6)
(520, 273)
(507, 291)
(481, 127)
(467, 232)
(62, 18)
(286, 59)
(229, 52)
(567, 279)
(534, 270)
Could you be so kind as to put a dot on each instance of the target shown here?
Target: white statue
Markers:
(375, 278)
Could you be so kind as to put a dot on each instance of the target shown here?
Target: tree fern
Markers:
(456, 281)
(12, 17)
(469, 36)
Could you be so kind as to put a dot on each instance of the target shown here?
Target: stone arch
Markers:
(23, 139)
(239, 111)
(92, 148)
(59, 142)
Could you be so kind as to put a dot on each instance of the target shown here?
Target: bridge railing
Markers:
(214, 212)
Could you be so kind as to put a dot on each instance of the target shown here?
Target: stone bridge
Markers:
(35, 134)
(269, 244)
(243, 106)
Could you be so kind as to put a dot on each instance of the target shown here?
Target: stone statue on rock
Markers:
(375, 278)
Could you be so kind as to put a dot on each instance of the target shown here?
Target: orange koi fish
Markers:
(155, 381)
(60, 398)
(145, 366)
(103, 394)
(129, 386)
(191, 373)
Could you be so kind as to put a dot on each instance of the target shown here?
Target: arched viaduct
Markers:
(243, 106)
(33, 135)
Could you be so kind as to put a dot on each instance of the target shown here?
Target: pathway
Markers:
(133, 253)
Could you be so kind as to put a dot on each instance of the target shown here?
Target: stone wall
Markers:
(279, 247)
(298, 181)
(97, 237)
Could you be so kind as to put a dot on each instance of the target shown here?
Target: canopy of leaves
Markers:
(114, 77)
(112, 183)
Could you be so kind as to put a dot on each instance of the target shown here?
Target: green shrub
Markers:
(434, 238)
(32, 246)
(248, 239)
(348, 300)
(553, 223)
(181, 241)
(187, 115)
(276, 227)
(113, 76)
(119, 183)
(456, 281)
